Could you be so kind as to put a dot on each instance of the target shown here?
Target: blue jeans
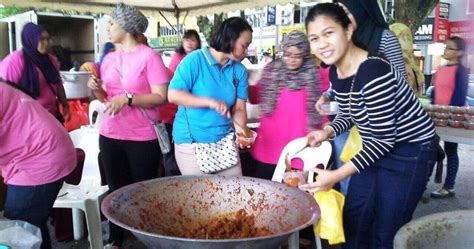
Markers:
(339, 143)
(383, 197)
(33, 204)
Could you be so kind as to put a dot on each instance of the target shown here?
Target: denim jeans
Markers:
(33, 204)
(339, 143)
(383, 197)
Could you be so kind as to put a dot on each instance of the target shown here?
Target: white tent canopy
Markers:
(170, 7)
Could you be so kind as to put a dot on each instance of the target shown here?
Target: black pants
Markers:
(127, 162)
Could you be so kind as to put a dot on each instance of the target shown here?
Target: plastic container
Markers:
(457, 117)
(441, 108)
(429, 108)
(468, 117)
(456, 124)
(19, 234)
(331, 108)
(440, 122)
(295, 178)
(75, 84)
(247, 141)
(441, 115)
(457, 110)
(432, 114)
(469, 125)
(470, 110)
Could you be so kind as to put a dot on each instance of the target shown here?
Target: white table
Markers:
(456, 135)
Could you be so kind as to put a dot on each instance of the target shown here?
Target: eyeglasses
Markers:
(293, 56)
(454, 49)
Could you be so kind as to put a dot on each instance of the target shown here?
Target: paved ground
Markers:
(464, 199)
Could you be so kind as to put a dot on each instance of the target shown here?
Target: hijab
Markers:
(277, 76)
(30, 37)
(370, 22)
(108, 46)
(415, 77)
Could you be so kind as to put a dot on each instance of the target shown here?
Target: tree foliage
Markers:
(413, 12)
(207, 26)
(11, 10)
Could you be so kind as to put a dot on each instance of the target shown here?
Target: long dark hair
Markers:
(336, 13)
(224, 37)
(189, 34)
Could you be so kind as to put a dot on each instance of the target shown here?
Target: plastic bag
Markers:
(330, 225)
(352, 147)
(20, 234)
(79, 110)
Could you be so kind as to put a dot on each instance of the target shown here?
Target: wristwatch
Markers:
(129, 97)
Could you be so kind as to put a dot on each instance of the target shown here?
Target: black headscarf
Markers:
(370, 22)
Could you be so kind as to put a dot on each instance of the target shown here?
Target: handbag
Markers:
(161, 133)
(158, 127)
(217, 156)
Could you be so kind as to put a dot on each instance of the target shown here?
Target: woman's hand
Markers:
(325, 180)
(94, 83)
(219, 107)
(315, 138)
(115, 104)
(322, 100)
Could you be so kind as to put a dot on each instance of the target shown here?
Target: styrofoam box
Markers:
(75, 84)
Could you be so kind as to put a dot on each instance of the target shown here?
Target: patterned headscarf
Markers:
(130, 19)
(276, 77)
(415, 77)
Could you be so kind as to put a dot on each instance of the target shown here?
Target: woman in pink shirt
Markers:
(287, 92)
(36, 71)
(190, 42)
(36, 153)
(132, 79)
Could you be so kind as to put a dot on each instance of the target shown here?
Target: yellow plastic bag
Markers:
(353, 145)
(330, 225)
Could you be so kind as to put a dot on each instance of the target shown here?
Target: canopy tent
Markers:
(149, 7)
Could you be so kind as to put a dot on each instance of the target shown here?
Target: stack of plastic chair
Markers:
(311, 157)
(86, 196)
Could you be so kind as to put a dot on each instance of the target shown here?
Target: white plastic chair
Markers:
(87, 194)
(311, 157)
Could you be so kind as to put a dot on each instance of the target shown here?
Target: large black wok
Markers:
(168, 203)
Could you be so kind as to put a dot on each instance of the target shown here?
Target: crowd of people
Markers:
(348, 55)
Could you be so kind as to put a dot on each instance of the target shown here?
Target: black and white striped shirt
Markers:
(383, 107)
(391, 49)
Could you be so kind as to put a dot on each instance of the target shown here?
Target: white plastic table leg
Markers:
(77, 223)
(294, 241)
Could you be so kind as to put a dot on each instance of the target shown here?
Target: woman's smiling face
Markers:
(328, 39)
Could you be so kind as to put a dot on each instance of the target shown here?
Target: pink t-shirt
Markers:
(444, 83)
(34, 148)
(288, 121)
(140, 69)
(11, 69)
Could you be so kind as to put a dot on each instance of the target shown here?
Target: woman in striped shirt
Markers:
(390, 172)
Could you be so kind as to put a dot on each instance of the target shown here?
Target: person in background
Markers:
(108, 47)
(286, 94)
(416, 79)
(132, 78)
(450, 88)
(36, 154)
(36, 71)
(390, 172)
(189, 43)
(210, 88)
